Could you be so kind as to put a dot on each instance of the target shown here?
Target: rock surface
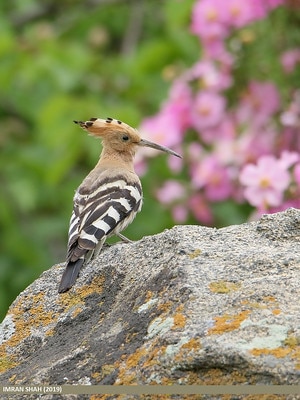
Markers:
(191, 305)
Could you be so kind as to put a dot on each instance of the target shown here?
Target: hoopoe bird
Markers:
(109, 197)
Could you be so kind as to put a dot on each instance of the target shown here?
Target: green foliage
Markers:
(72, 60)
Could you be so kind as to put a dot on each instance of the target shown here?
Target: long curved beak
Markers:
(146, 143)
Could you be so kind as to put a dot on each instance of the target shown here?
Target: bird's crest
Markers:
(109, 130)
(99, 127)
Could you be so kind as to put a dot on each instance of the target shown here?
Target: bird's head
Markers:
(119, 136)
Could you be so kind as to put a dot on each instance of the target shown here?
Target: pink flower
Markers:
(213, 177)
(207, 21)
(259, 9)
(179, 103)
(290, 138)
(265, 182)
(195, 151)
(176, 164)
(291, 117)
(179, 213)
(163, 129)
(212, 20)
(274, 3)
(289, 60)
(288, 158)
(208, 110)
(237, 13)
(170, 192)
(209, 76)
(238, 150)
(167, 127)
(200, 208)
(259, 103)
(225, 130)
(254, 143)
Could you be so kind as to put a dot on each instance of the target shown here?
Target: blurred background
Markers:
(217, 84)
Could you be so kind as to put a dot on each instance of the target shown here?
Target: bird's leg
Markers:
(89, 256)
(124, 238)
(99, 247)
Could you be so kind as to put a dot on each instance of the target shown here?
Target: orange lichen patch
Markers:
(227, 323)
(12, 378)
(134, 359)
(292, 341)
(165, 307)
(268, 302)
(296, 356)
(216, 376)
(276, 311)
(192, 344)
(153, 356)
(25, 320)
(278, 352)
(291, 349)
(127, 378)
(70, 300)
(179, 318)
(96, 375)
(223, 287)
(180, 308)
(16, 381)
(130, 337)
(179, 321)
(96, 286)
(50, 332)
(7, 363)
(213, 376)
(75, 299)
(269, 299)
(195, 254)
(255, 304)
(25, 317)
(106, 369)
(77, 311)
(149, 295)
(142, 359)
(187, 350)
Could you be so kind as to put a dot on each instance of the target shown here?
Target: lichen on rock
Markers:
(191, 305)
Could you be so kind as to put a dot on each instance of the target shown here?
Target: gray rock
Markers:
(191, 305)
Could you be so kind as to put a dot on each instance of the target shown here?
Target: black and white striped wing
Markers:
(105, 211)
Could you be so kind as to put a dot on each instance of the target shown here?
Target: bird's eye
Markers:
(125, 138)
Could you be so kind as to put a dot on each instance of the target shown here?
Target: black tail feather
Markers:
(70, 275)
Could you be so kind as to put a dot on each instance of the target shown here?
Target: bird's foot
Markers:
(124, 238)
